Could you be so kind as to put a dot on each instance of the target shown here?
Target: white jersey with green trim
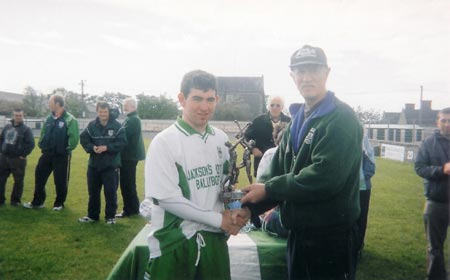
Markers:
(183, 162)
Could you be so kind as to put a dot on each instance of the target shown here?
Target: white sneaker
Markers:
(86, 219)
(58, 208)
(30, 205)
(110, 221)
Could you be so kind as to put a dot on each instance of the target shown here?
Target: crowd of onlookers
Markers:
(114, 150)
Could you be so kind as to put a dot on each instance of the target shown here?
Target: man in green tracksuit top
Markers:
(131, 155)
(314, 176)
(59, 137)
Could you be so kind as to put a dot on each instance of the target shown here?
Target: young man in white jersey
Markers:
(183, 170)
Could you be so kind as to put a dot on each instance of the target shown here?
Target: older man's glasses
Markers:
(275, 105)
(444, 120)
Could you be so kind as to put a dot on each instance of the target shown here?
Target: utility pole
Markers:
(82, 96)
(420, 109)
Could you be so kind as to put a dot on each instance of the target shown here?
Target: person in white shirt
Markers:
(184, 167)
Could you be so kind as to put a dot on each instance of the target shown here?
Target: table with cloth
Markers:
(253, 255)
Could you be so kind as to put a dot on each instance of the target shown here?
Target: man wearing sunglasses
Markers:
(314, 176)
(264, 129)
(433, 165)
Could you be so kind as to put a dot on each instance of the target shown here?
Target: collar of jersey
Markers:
(188, 130)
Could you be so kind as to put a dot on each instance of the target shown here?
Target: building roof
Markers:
(240, 84)
(390, 117)
(9, 96)
(424, 116)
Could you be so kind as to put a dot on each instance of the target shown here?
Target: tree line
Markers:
(34, 104)
(158, 107)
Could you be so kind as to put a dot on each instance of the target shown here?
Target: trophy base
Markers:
(230, 196)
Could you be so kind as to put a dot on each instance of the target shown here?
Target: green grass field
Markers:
(43, 244)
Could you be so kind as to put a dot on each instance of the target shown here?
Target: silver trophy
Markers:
(228, 194)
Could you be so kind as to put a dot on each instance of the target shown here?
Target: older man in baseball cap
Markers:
(317, 193)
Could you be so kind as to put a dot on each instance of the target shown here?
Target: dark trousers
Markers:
(128, 187)
(364, 200)
(322, 254)
(16, 167)
(436, 222)
(60, 166)
(256, 161)
(109, 178)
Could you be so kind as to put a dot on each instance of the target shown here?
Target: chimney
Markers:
(409, 106)
(426, 105)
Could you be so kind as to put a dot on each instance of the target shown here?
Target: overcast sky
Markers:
(380, 52)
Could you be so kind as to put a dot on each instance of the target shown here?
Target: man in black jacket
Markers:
(103, 139)
(16, 143)
(265, 128)
(433, 165)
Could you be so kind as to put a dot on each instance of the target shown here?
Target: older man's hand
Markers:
(254, 193)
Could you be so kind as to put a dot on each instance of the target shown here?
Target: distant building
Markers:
(242, 92)
(399, 135)
(424, 116)
(9, 96)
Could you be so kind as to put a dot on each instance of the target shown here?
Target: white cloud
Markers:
(374, 47)
(9, 41)
(122, 42)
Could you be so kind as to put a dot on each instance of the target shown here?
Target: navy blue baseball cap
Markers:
(308, 55)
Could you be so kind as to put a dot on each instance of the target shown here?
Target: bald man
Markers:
(59, 137)
(131, 155)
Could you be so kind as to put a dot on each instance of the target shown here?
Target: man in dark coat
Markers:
(16, 143)
(433, 165)
(318, 195)
(131, 155)
(103, 139)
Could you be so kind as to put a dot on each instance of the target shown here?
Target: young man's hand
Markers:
(227, 223)
(241, 216)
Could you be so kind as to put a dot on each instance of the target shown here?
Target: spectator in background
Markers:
(133, 152)
(314, 177)
(59, 137)
(103, 139)
(433, 165)
(264, 128)
(16, 143)
(365, 185)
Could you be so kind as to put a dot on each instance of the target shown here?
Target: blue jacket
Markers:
(367, 165)
(433, 154)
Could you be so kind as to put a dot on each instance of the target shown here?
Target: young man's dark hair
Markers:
(59, 99)
(103, 105)
(198, 79)
(445, 111)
